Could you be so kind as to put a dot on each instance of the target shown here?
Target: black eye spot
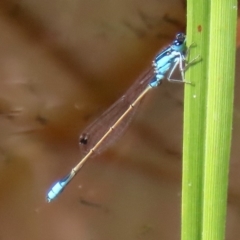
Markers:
(83, 139)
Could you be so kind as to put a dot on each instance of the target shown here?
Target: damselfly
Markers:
(98, 135)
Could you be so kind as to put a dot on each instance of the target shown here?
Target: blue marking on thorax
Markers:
(154, 83)
(162, 64)
(165, 60)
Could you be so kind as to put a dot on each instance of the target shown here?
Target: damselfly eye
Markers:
(180, 38)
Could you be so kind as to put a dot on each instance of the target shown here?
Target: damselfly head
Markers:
(179, 44)
(180, 38)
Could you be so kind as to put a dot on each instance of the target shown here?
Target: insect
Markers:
(109, 126)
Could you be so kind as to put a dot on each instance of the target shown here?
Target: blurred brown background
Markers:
(62, 63)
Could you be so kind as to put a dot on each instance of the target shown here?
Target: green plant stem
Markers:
(208, 118)
(221, 71)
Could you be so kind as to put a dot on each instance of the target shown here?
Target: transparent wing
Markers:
(95, 131)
